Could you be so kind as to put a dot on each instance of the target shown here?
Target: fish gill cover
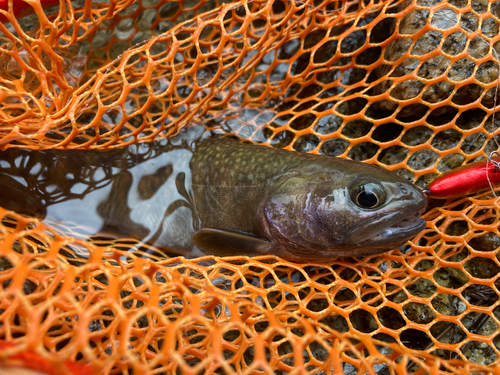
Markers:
(408, 85)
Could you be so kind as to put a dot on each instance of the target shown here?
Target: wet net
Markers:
(408, 85)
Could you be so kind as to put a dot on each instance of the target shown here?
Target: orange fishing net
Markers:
(409, 85)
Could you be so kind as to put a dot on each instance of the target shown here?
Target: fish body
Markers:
(220, 196)
(468, 179)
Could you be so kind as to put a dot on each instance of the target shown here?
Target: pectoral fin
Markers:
(227, 243)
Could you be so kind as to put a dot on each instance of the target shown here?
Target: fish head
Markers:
(361, 210)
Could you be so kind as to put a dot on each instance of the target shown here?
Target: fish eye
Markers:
(367, 195)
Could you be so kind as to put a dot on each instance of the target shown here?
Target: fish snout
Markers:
(414, 199)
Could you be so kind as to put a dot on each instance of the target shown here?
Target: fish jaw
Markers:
(389, 237)
(405, 228)
(395, 229)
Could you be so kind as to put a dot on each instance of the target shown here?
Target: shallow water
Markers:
(107, 193)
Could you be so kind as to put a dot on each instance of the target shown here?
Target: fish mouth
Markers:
(405, 228)
(394, 230)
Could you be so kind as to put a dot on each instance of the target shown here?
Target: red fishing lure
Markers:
(465, 180)
(21, 8)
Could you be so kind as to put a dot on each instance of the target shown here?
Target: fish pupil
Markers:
(367, 199)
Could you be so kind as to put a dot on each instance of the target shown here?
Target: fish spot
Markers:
(151, 183)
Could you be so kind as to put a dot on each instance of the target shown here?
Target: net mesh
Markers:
(409, 85)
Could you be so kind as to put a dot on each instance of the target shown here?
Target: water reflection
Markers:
(114, 193)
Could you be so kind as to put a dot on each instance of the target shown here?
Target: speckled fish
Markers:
(218, 196)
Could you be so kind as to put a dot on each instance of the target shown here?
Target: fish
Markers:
(465, 180)
(218, 196)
